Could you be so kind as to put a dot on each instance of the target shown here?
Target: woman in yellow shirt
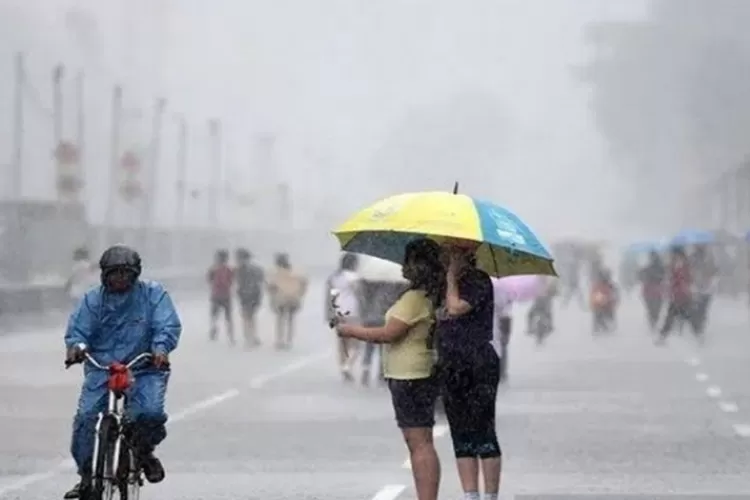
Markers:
(408, 359)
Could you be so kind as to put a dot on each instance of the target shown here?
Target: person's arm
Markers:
(406, 312)
(463, 295)
(165, 322)
(392, 331)
(81, 323)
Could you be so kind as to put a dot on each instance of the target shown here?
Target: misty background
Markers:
(588, 118)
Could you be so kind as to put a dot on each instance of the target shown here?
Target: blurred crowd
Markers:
(248, 283)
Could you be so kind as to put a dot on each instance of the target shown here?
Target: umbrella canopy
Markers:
(373, 269)
(504, 244)
(693, 237)
(520, 288)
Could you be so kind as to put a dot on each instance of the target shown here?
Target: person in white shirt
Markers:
(84, 275)
(502, 325)
(344, 285)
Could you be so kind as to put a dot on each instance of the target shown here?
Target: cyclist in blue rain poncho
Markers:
(115, 322)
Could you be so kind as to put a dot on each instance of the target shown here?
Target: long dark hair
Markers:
(427, 272)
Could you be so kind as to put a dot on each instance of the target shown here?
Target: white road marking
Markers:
(742, 430)
(204, 405)
(389, 492)
(255, 382)
(439, 430)
(701, 377)
(693, 361)
(728, 407)
(713, 391)
(261, 380)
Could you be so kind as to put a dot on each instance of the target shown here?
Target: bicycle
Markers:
(116, 464)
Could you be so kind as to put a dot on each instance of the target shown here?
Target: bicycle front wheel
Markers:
(104, 480)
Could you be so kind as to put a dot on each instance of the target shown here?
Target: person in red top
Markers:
(679, 283)
(604, 300)
(221, 279)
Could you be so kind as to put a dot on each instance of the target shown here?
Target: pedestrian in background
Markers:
(503, 304)
(705, 275)
(83, 276)
(286, 289)
(652, 279)
(345, 283)
(250, 280)
(680, 307)
(221, 278)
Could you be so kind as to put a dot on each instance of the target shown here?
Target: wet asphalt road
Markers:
(614, 414)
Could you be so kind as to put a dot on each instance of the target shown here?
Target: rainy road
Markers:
(581, 416)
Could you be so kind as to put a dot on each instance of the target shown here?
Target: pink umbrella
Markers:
(519, 288)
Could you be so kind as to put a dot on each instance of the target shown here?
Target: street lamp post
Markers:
(214, 216)
(181, 185)
(149, 200)
(16, 185)
(116, 125)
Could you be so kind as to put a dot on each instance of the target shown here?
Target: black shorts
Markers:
(469, 396)
(414, 401)
(249, 307)
(218, 304)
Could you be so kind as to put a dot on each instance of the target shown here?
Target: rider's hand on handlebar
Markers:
(75, 354)
(160, 359)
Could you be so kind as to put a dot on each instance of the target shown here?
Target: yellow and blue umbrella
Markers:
(505, 245)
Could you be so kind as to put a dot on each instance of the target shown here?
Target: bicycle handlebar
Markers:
(90, 359)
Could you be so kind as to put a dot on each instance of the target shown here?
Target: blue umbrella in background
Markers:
(747, 237)
(693, 237)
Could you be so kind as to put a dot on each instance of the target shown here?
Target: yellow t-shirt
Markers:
(409, 358)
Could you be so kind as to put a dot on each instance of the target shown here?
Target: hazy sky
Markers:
(332, 79)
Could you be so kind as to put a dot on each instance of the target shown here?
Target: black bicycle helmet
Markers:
(120, 257)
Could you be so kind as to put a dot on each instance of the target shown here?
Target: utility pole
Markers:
(16, 184)
(116, 123)
(148, 202)
(57, 119)
(214, 215)
(182, 163)
(81, 130)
